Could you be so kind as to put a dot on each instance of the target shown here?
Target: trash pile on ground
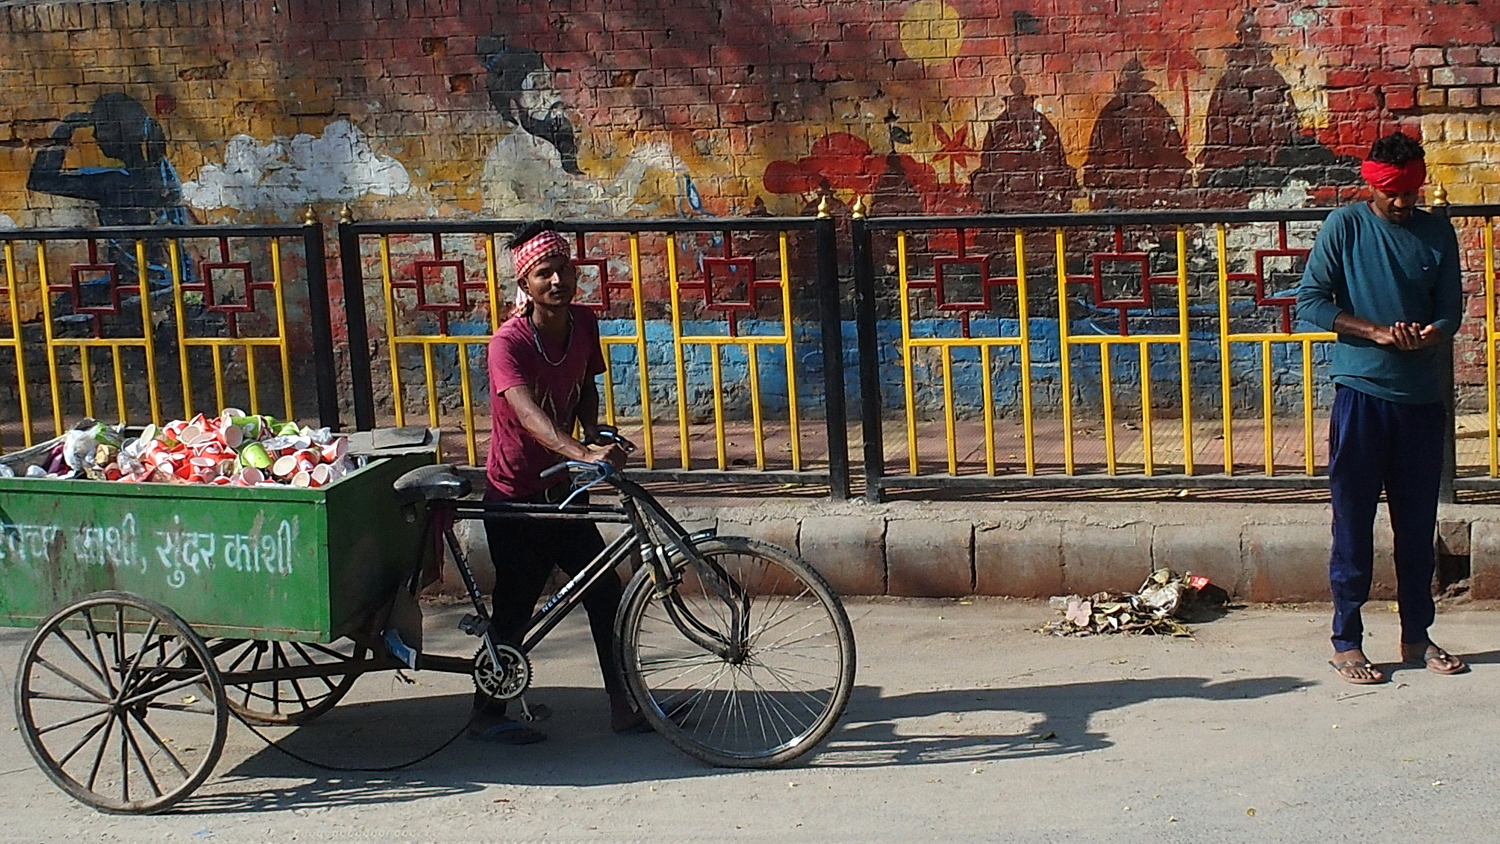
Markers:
(231, 449)
(1158, 607)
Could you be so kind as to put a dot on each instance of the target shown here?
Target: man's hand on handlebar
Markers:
(613, 454)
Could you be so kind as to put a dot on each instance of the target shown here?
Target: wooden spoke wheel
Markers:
(291, 701)
(120, 703)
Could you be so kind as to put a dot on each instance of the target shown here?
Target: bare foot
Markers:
(1435, 658)
(623, 716)
(1354, 667)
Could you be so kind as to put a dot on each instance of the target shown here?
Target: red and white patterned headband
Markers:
(548, 244)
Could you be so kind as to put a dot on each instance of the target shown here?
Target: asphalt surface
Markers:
(966, 725)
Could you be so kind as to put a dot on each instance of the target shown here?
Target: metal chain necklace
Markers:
(536, 338)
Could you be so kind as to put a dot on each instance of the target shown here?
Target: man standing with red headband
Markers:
(542, 363)
(1384, 275)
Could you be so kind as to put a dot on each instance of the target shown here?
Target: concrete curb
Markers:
(1259, 552)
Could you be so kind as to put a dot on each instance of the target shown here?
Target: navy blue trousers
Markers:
(1374, 444)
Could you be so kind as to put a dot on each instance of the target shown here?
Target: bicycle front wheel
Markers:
(787, 676)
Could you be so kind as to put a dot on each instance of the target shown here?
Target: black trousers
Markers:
(525, 552)
(1377, 445)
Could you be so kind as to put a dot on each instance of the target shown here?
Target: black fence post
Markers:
(1447, 493)
(359, 332)
(324, 370)
(833, 356)
(871, 402)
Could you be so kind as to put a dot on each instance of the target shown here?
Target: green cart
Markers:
(188, 603)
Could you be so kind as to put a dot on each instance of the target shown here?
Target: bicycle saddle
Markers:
(431, 483)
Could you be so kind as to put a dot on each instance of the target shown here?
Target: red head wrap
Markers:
(548, 244)
(1395, 178)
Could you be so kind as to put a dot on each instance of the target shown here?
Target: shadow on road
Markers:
(876, 731)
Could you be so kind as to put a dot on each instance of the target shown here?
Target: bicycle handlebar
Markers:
(604, 469)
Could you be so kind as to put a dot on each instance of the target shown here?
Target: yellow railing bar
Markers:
(742, 340)
(13, 283)
(253, 377)
(174, 257)
(119, 373)
(906, 353)
(965, 342)
(609, 385)
(1107, 387)
(1227, 411)
(492, 281)
(1023, 312)
(86, 372)
(793, 416)
(989, 409)
(279, 295)
(1278, 337)
(41, 270)
(1064, 352)
(948, 416)
(760, 438)
(430, 375)
(218, 375)
(196, 342)
(637, 298)
(1307, 406)
(147, 336)
(677, 351)
(1146, 444)
(1184, 356)
(390, 329)
(1490, 344)
(1117, 340)
(442, 340)
(466, 390)
(716, 367)
(1267, 406)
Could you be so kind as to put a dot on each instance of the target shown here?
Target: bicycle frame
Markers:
(639, 511)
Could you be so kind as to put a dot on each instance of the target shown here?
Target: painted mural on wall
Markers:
(533, 170)
(141, 189)
(631, 108)
(288, 174)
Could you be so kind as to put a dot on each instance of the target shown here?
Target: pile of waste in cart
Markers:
(231, 449)
(1159, 607)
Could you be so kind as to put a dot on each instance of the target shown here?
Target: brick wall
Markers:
(443, 107)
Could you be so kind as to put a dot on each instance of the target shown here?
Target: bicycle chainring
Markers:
(509, 680)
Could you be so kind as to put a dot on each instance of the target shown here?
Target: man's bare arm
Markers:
(540, 426)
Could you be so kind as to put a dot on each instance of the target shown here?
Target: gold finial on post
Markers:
(1439, 195)
(310, 216)
(346, 214)
(825, 208)
(860, 209)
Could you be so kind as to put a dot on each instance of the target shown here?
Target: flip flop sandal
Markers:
(1435, 654)
(508, 732)
(1343, 667)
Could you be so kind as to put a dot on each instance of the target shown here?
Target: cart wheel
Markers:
(284, 702)
(120, 703)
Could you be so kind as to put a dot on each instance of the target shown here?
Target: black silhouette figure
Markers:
(521, 89)
(1023, 167)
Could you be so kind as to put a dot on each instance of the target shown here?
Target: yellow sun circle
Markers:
(931, 31)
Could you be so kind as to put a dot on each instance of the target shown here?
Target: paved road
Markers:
(965, 726)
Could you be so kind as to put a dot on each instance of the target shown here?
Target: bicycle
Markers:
(736, 651)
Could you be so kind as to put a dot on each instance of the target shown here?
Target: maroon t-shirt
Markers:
(516, 460)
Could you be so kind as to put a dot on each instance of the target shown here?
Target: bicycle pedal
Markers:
(474, 625)
(535, 714)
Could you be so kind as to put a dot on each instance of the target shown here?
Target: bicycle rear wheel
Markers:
(773, 700)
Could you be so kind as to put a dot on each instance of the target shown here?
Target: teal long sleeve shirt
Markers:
(1367, 266)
